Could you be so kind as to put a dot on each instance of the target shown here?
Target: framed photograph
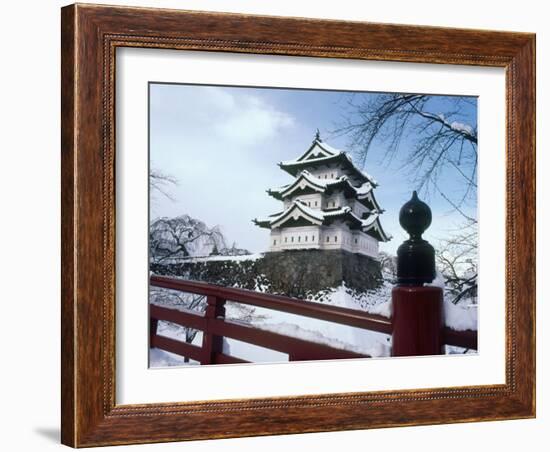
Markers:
(282, 225)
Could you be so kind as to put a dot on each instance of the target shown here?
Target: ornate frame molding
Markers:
(90, 37)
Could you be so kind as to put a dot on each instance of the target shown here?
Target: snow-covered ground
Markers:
(459, 317)
(238, 258)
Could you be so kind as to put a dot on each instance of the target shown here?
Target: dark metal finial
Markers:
(318, 136)
(415, 257)
(415, 216)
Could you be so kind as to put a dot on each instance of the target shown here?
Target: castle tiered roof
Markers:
(327, 179)
(328, 191)
(320, 153)
(298, 212)
(306, 180)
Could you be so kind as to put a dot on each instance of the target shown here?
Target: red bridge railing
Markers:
(215, 326)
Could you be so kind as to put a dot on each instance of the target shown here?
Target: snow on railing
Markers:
(215, 326)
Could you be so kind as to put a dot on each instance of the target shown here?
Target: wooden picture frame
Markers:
(90, 36)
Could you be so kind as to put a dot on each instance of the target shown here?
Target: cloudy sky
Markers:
(223, 144)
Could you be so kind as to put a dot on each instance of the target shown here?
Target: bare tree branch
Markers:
(443, 142)
(159, 181)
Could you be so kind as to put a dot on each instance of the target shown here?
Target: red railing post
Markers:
(153, 325)
(417, 321)
(417, 309)
(211, 343)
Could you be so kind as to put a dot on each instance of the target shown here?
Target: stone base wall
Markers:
(297, 273)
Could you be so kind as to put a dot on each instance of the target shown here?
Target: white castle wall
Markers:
(314, 200)
(358, 208)
(328, 172)
(335, 201)
(333, 172)
(334, 237)
(319, 201)
(297, 238)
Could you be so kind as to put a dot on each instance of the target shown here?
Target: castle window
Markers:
(274, 242)
(299, 238)
(328, 238)
(335, 238)
(292, 239)
(355, 240)
(286, 239)
(332, 175)
(313, 238)
(306, 238)
(315, 203)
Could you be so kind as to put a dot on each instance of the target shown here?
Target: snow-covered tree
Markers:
(457, 260)
(182, 237)
(388, 265)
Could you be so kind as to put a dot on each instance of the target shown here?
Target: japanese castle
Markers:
(330, 205)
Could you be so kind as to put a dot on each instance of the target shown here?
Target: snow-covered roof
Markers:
(364, 189)
(314, 214)
(322, 159)
(298, 209)
(368, 222)
(318, 149)
(321, 153)
(306, 179)
(373, 227)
